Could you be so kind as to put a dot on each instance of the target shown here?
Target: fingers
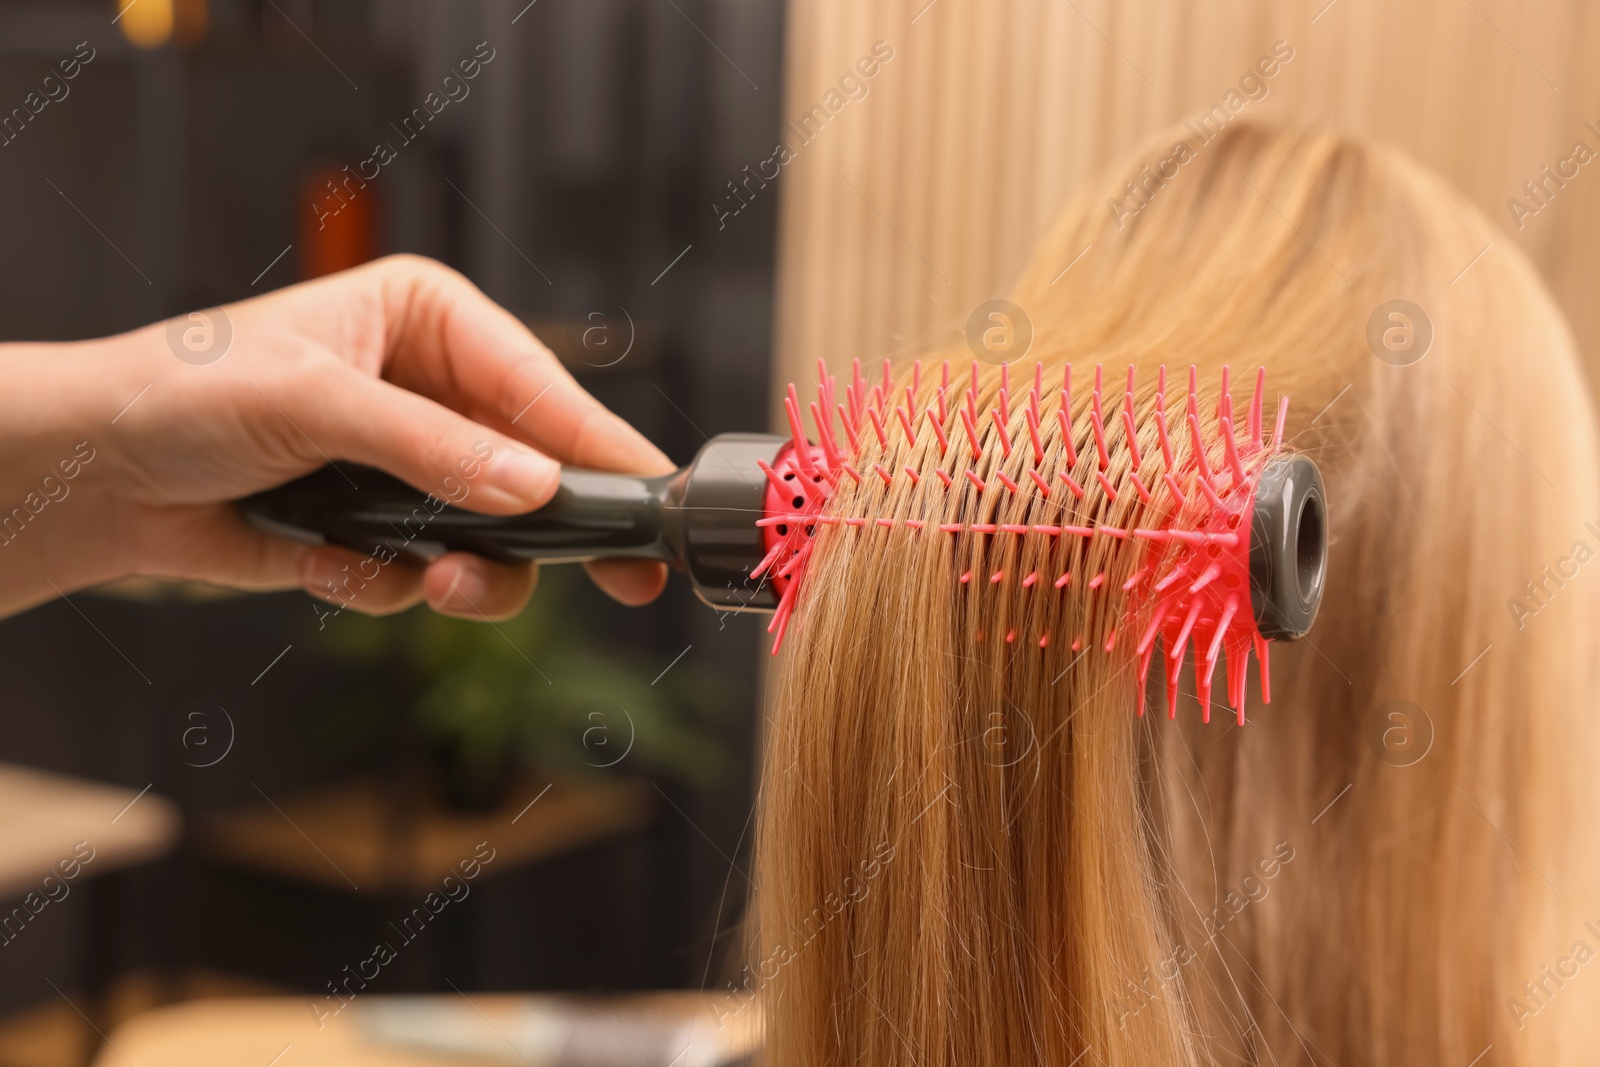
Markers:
(367, 420)
(455, 340)
(356, 580)
(629, 581)
(475, 588)
(211, 543)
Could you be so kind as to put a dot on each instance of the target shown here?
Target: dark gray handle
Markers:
(593, 515)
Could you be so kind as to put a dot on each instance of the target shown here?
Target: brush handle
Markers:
(701, 519)
(593, 515)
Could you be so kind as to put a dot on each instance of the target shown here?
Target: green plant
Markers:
(543, 689)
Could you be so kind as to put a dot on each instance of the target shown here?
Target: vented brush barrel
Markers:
(703, 520)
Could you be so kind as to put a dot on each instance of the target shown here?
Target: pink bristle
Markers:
(966, 576)
(1161, 434)
(1207, 576)
(877, 427)
(972, 390)
(1225, 398)
(1158, 619)
(802, 450)
(1000, 424)
(905, 424)
(1099, 433)
(1161, 380)
(1011, 635)
(1266, 676)
(780, 618)
(1203, 464)
(1077, 490)
(911, 399)
(1194, 383)
(1277, 431)
(1065, 419)
(972, 432)
(1044, 486)
(1033, 576)
(916, 379)
(1253, 419)
(849, 430)
(994, 579)
(1231, 453)
(938, 431)
(852, 472)
(1005, 479)
(1172, 487)
(1105, 484)
(1133, 437)
(775, 481)
(1005, 376)
(1061, 582)
(1172, 577)
(1033, 434)
(1097, 581)
(1038, 379)
(1077, 643)
(769, 559)
(943, 477)
(944, 412)
(1099, 370)
(944, 375)
(1175, 654)
(1044, 640)
(1139, 486)
(974, 479)
(1003, 408)
(830, 450)
(1111, 640)
(880, 472)
(1133, 580)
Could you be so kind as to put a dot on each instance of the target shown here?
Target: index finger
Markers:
(454, 344)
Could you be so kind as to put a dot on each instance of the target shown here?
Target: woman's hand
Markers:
(400, 364)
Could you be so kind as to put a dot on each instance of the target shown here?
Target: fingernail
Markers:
(467, 587)
(524, 474)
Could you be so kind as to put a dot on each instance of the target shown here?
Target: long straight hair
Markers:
(977, 852)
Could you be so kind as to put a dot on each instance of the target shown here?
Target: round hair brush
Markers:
(1229, 552)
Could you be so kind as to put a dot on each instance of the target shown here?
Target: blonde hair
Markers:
(975, 852)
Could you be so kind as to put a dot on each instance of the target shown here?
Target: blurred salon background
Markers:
(268, 789)
(312, 776)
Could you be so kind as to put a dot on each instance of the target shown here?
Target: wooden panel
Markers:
(924, 198)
